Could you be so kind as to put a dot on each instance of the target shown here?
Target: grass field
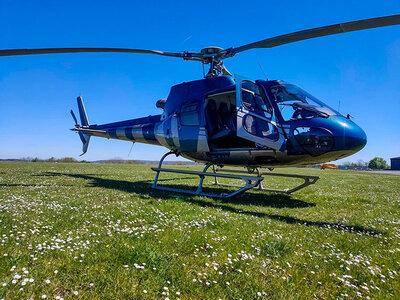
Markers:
(97, 231)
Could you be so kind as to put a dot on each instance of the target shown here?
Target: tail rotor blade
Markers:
(74, 117)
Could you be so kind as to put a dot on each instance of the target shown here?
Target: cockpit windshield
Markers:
(296, 104)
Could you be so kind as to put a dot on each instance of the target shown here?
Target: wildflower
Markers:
(47, 281)
(144, 292)
(75, 293)
(55, 272)
(44, 296)
(107, 245)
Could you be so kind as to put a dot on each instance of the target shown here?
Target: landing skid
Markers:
(308, 180)
(251, 182)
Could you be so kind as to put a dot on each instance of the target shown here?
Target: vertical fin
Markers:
(82, 112)
(85, 138)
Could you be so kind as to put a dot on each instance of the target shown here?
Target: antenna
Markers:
(262, 70)
(131, 149)
(338, 109)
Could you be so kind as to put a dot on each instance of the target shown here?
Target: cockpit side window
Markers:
(254, 99)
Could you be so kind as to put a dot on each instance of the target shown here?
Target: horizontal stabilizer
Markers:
(87, 130)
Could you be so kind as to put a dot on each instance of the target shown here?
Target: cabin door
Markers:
(192, 136)
(256, 119)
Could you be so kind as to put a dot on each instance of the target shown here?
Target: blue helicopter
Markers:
(225, 120)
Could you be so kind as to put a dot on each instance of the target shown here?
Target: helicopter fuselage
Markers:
(236, 121)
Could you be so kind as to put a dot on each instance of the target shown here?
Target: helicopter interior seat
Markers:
(226, 126)
(211, 118)
(219, 121)
(216, 118)
(226, 117)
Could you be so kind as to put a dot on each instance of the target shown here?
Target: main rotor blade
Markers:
(320, 31)
(11, 52)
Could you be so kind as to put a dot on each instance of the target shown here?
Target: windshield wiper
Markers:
(307, 107)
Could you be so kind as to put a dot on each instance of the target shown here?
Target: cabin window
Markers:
(260, 128)
(190, 114)
(253, 98)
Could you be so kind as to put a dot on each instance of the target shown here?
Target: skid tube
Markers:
(308, 179)
(250, 181)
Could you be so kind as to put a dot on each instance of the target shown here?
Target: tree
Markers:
(378, 163)
(361, 163)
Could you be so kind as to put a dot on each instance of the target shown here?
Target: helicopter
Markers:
(230, 120)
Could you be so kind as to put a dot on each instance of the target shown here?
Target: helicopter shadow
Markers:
(268, 200)
(143, 187)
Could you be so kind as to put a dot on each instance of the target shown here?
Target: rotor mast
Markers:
(214, 56)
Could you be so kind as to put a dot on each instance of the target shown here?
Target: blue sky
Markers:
(359, 69)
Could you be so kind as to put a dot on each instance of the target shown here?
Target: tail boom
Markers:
(141, 130)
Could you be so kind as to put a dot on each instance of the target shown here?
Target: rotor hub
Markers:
(214, 56)
(212, 51)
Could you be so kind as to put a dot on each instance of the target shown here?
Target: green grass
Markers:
(100, 231)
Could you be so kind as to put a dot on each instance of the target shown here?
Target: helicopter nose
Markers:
(353, 138)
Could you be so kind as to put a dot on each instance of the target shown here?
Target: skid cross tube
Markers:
(250, 181)
(308, 180)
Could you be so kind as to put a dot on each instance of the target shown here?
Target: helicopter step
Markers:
(308, 180)
(250, 181)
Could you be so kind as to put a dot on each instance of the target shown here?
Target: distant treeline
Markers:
(53, 159)
(105, 161)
